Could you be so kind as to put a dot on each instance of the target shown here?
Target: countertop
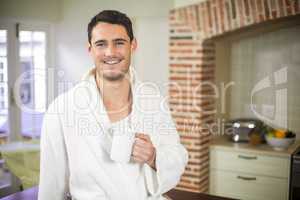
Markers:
(183, 195)
(222, 142)
(20, 146)
(31, 194)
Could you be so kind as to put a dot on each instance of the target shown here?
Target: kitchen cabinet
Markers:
(243, 171)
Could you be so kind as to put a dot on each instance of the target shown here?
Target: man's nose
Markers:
(110, 50)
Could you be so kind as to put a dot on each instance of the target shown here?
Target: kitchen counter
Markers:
(183, 195)
(31, 194)
(222, 142)
(248, 168)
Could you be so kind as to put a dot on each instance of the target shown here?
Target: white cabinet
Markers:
(248, 173)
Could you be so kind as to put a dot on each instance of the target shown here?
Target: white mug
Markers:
(121, 147)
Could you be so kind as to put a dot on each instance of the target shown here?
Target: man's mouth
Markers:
(112, 62)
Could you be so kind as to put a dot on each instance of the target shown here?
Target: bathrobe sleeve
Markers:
(53, 164)
(171, 158)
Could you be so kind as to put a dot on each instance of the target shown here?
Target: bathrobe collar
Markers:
(103, 139)
(96, 101)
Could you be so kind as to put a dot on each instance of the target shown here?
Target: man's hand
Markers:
(143, 150)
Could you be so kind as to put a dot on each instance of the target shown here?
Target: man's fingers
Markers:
(141, 142)
(137, 159)
(142, 136)
(141, 153)
(137, 150)
(143, 148)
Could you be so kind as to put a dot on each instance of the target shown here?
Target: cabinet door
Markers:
(250, 163)
(247, 186)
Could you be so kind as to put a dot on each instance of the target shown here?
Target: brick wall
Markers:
(192, 69)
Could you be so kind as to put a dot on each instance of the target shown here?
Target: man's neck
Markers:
(115, 94)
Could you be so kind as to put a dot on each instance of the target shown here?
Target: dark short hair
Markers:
(112, 17)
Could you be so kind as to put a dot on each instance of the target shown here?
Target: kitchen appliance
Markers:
(295, 176)
(240, 129)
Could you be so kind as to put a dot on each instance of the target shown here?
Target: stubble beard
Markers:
(114, 77)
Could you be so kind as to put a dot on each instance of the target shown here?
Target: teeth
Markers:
(112, 62)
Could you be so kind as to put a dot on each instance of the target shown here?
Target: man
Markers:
(79, 127)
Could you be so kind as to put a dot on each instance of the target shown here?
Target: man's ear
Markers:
(133, 44)
(89, 47)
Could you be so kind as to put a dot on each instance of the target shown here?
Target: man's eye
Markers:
(119, 43)
(100, 44)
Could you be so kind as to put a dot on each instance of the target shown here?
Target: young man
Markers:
(79, 127)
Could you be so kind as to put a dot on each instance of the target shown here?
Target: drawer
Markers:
(247, 187)
(249, 163)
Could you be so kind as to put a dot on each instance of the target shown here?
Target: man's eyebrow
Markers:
(100, 41)
(120, 40)
(115, 40)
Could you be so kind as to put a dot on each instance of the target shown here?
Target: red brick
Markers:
(209, 13)
(192, 188)
(260, 10)
(228, 14)
(193, 18)
(216, 22)
(221, 9)
(201, 18)
(204, 58)
(267, 9)
(190, 137)
(183, 30)
(254, 10)
(284, 6)
(181, 51)
(176, 24)
(296, 7)
(185, 181)
(287, 7)
(206, 51)
(181, 65)
(246, 8)
(281, 8)
(185, 14)
(187, 43)
(241, 18)
(273, 9)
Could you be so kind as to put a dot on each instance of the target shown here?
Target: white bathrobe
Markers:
(75, 147)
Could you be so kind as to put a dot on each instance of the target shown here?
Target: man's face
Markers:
(111, 50)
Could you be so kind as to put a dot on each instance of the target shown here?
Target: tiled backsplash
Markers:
(273, 57)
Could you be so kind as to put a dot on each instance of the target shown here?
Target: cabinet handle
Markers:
(247, 157)
(247, 178)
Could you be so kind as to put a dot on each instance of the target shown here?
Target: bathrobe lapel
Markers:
(97, 140)
(102, 140)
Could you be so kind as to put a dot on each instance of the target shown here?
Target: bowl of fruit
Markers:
(280, 139)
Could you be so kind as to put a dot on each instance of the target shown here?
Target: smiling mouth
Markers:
(112, 62)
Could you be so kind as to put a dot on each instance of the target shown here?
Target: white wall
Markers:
(222, 74)
(151, 59)
(47, 10)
